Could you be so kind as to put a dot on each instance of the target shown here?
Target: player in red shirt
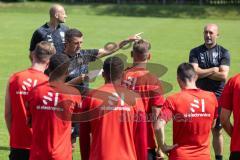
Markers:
(19, 86)
(118, 133)
(50, 107)
(139, 79)
(229, 101)
(193, 112)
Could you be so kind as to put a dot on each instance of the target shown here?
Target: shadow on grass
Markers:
(173, 11)
(3, 148)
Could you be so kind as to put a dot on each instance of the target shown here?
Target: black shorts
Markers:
(152, 154)
(234, 156)
(19, 154)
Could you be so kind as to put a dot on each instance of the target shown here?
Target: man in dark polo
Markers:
(211, 62)
(53, 31)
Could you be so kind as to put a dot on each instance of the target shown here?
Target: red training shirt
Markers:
(193, 112)
(20, 84)
(118, 128)
(149, 87)
(230, 101)
(50, 109)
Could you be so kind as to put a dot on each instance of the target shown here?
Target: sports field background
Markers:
(172, 31)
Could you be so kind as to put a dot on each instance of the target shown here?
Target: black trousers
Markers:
(234, 156)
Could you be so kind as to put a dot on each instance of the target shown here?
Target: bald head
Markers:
(57, 12)
(210, 35)
(212, 27)
(54, 9)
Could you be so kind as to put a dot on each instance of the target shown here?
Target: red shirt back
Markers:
(114, 131)
(149, 87)
(20, 84)
(193, 112)
(50, 109)
(230, 101)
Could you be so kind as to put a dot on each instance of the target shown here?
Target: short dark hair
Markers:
(43, 51)
(113, 68)
(141, 48)
(72, 33)
(186, 72)
(58, 66)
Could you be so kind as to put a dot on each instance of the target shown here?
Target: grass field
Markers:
(172, 31)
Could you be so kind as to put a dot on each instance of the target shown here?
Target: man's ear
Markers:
(149, 56)
(56, 15)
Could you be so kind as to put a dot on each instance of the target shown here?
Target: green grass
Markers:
(172, 31)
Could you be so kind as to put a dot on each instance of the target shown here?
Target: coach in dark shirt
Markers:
(53, 31)
(211, 62)
(80, 59)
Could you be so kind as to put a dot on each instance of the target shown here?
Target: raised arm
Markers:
(113, 47)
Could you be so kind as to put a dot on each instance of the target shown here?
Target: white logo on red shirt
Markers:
(196, 105)
(197, 109)
(29, 83)
(50, 97)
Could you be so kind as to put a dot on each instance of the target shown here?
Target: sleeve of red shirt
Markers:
(156, 95)
(225, 100)
(166, 112)
(84, 132)
(140, 136)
